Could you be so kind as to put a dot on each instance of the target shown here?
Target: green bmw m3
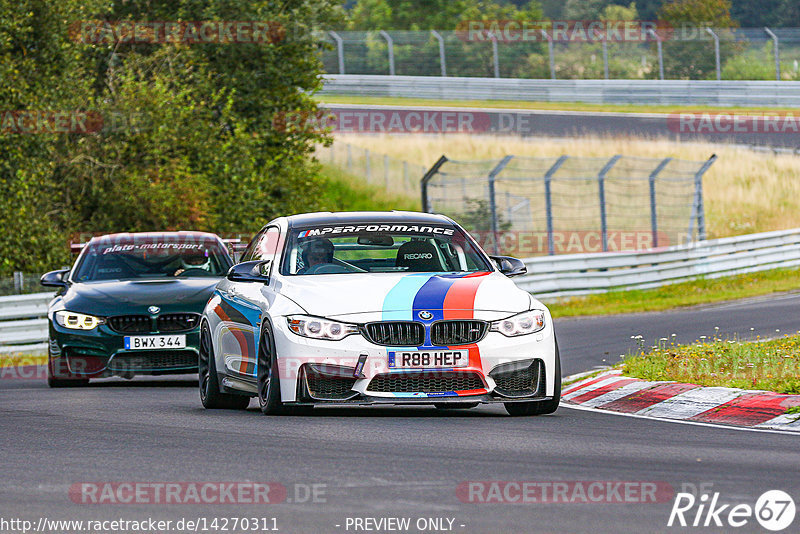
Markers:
(131, 305)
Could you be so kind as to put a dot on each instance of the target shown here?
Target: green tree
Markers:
(691, 54)
(195, 145)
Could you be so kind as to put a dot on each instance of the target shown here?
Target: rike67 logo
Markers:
(774, 510)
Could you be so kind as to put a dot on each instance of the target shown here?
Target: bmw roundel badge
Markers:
(425, 315)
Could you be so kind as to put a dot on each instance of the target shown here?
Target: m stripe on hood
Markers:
(434, 293)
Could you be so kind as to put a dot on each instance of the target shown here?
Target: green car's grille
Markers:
(153, 361)
(177, 322)
(131, 324)
(145, 324)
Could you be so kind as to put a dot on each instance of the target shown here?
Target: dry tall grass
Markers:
(745, 191)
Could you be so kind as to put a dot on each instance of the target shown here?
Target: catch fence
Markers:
(528, 206)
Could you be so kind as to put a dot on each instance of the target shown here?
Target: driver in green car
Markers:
(316, 252)
(193, 260)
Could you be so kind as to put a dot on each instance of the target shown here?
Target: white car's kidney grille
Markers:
(458, 332)
(396, 333)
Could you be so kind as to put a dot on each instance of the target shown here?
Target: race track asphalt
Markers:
(390, 462)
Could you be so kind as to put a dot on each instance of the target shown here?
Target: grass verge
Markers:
(700, 291)
(344, 192)
(769, 365)
(548, 106)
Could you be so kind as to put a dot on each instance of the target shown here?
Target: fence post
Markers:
(339, 49)
(775, 51)
(493, 199)
(698, 191)
(441, 51)
(605, 58)
(405, 174)
(349, 157)
(386, 171)
(551, 52)
(367, 170)
(660, 54)
(425, 179)
(390, 44)
(495, 58)
(548, 176)
(653, 206)
(601, 186)
(19, 282)
(716, 52)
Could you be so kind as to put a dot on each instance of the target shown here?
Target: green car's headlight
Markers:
(77, 321)
(317, 328)
(518, 325)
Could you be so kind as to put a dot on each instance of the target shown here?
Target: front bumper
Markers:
(497, 365)
(101, 353)
(521, 381)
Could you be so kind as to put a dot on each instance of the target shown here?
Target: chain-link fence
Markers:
(679, 53)
(526, 206)
(20, 283)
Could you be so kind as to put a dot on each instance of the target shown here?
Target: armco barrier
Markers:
(23, 323)
(582, 274)
(653, 92)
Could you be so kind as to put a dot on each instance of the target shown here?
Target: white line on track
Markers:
(679, 421)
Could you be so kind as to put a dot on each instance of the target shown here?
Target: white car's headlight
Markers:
(518, 325)
(317, 328)
(77, 321)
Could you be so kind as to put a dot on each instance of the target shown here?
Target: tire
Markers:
(269, 384)
(540, 407)
(56, 379)
(456, 405)
(208, 380)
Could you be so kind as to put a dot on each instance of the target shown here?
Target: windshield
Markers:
(132, 259)
(380, 248)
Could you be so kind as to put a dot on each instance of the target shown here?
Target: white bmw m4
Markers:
(369, 308)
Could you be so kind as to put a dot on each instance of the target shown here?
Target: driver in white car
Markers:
(316, 252)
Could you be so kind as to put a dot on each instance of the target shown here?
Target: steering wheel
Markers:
(325, 268)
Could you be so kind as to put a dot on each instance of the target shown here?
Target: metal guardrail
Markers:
(652, 92)
(23, 323)
(583, 274)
